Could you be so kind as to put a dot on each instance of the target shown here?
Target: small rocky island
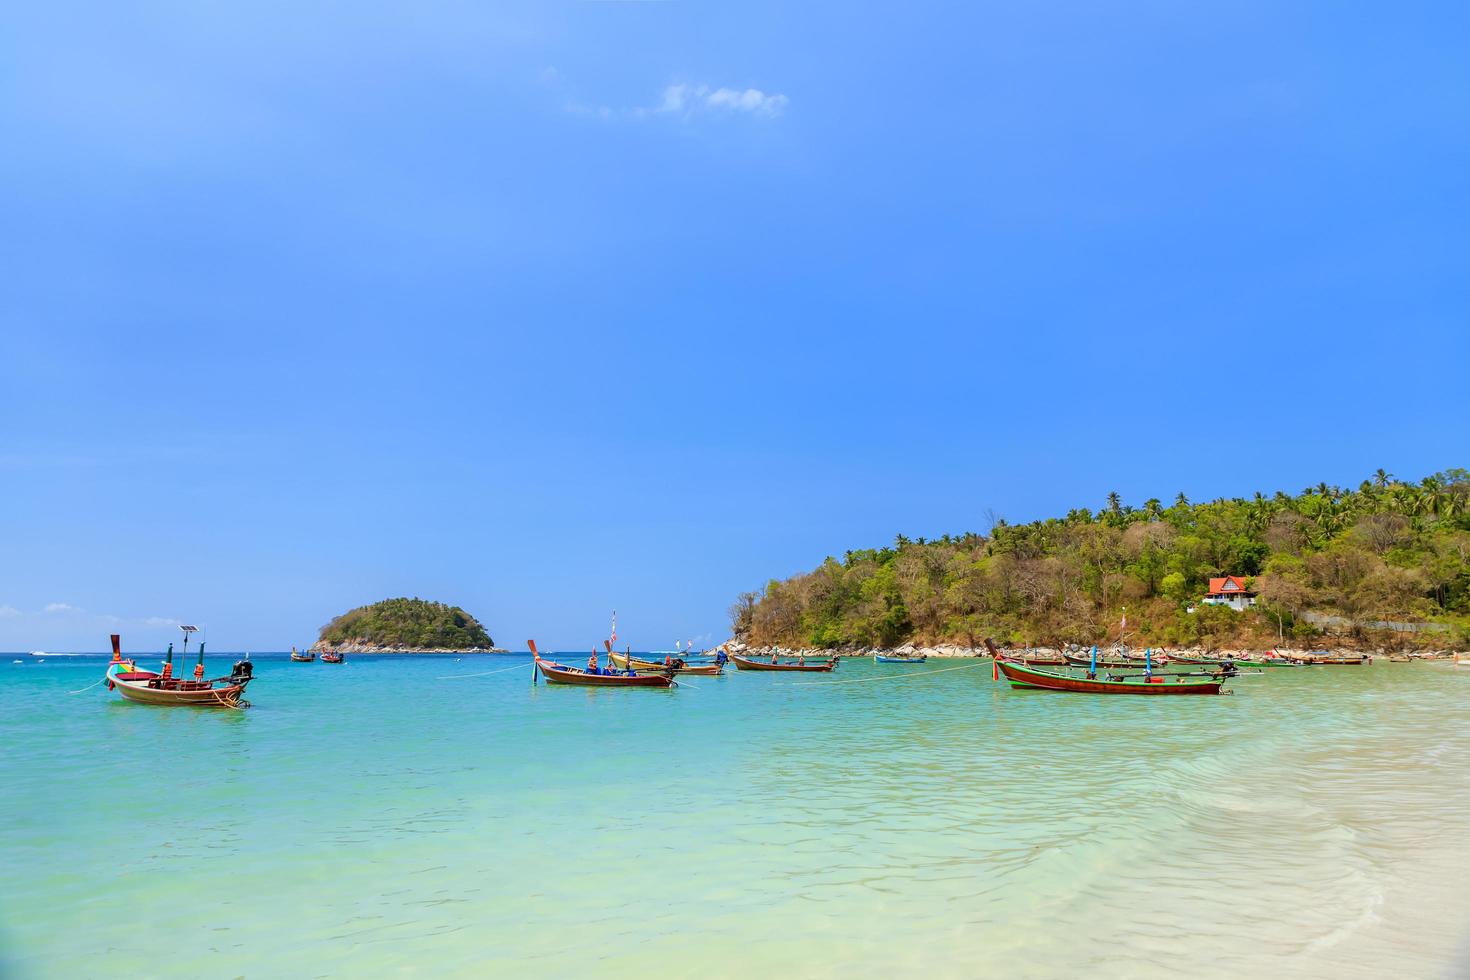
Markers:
(405, 626)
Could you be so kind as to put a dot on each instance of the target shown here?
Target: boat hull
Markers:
(899, 660)
(561, 674)
(743, 664)
(1046, 680)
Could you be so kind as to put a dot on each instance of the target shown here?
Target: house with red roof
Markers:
(1230, 591)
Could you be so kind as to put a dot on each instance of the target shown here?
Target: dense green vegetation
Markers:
(1353, 561)
(413, 624)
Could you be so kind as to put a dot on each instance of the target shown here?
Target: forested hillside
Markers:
(408, 624)
(1362, 562)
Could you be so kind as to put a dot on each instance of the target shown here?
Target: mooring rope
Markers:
(224, 702)
(450, 677)
(88, 687)
(886, 677)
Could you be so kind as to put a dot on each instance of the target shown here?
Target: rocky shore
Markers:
(944, 650)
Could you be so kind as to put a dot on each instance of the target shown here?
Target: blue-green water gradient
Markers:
(441, 816)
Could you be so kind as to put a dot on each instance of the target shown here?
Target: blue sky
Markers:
(553, 309)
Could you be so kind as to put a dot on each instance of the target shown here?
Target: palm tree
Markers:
(1153, 508)
(1181, 500)
(1115, 502)
(1326, 514)
(1432, 495)
(1405, 499)
(1258, 512)
(1382, 478)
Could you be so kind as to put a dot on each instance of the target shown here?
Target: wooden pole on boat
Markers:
(199, 667)
(535, 658)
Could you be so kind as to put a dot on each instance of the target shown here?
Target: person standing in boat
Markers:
(592, 663)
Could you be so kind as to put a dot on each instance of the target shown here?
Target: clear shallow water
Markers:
(390, 817)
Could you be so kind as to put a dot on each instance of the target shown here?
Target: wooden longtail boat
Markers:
(1241, 662)
(1128, 664)
(1029, 659)
(1030, 678)
(334, 658)
(744, 663)
(1328, 660)
(556, 673)
(678, 667)
(302, 658)
(879, 658)
(152, 687)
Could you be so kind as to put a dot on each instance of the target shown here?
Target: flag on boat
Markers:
(614, 637)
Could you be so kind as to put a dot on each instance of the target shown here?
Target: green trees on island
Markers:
(1373, 562)
(411, 624)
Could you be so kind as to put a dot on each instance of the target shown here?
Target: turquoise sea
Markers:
(441, 816)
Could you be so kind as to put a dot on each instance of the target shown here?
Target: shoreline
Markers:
(954, 651)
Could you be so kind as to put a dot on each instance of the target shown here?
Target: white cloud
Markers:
(688, 99)
(160, 621)
(8, 611)
(675, 98)
(61, 607)
(685, 101)
(750, 100)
